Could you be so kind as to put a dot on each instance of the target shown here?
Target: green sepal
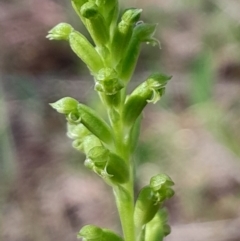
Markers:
(60, 32)
(95, 23)
(123, 33)
(95, 124)
(157, 228)
(150, 90)
(85, 51)
(91, 233)
(65, 105)
(107, 81)
(142, 32)
(160, 181)
(146, 207)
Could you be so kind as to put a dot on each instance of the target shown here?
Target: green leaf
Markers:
(91, 233)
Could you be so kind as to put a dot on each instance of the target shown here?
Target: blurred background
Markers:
(193, 134)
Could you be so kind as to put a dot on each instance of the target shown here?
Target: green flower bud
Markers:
(124, 32)
(94, 123)
(89, 10)
(65, 105)
(143, 32)
(95, 23)
(91, 233)
(161, 185)
(106, 164)
(107, 81)
(85, 51)
(149, 91)
(99, 155)
(129, 17)
(109, 10)
(78, 131)
(146, 207)
(60, 32)
(160, 181)
(77, 4)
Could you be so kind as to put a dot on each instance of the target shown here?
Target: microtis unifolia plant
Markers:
(109, 145)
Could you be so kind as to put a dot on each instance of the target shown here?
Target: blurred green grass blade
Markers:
(202, 78)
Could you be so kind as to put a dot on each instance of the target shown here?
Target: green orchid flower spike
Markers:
(109, 143)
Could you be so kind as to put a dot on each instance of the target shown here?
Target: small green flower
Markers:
(149, 91)
(123, 33)
(107, 81)
(60, 32)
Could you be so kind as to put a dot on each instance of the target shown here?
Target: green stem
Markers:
(125, 204)
(124, 195)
